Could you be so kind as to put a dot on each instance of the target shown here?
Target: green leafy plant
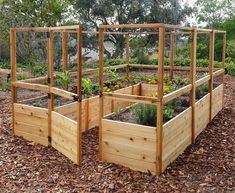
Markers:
(86, 87)
(64, 79)
(180, 81)
(168, 113)
(145, 114)
(6, 86)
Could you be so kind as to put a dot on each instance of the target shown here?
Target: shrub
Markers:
(146, 114)
(230, 68)
(38, 70)
(64, 79)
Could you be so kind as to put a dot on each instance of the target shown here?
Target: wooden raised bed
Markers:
(136, 146)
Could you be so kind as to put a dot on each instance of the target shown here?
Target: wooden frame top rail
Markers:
(131, 98)
(177, 93)
(158, 25)
(31, 86)
(202, 80)
(218, 72)
(64, 93)
(46, 29)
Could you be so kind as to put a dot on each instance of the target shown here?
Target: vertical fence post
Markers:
(79, 93)
(211, 64)
(159, 117)
(64, 50)
(50, 83)
(172, 45)
(101, 100)
(223, 61)
(13, 72)
(193, 79)
(127, 54)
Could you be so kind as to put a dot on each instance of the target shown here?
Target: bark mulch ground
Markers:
(206, 166)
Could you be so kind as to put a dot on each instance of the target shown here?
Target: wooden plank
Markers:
(176, 136)
(131, 98)
(148, 89)
(31, 129)
(127, 46)
(211, 66)
(64, 50)
(13, 70)
(64, 136)
(33, 138)
(131, 142)
(63, 93)
(218, 73)
(177, 93)
(31, 111)
(172, 53)
(223, 60)
(217, 100)
(159, 117)
(201, 114)
(31, 86)
(130, 163)
(202, 81)
(193, 64)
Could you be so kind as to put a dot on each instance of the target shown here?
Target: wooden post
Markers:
(79, 93)
(193, 79)
(172, 45)
(50, 83)
(101, 99)
(160, 97)
(211, 64)
(223, 62)
(13, 73)
(127, 55)
(64, 50)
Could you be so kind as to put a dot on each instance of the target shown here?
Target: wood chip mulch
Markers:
(206, 166)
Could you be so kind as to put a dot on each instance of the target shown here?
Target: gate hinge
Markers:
(100, 94)
(75, 98)
(48, 95)
(49, 139)
(49, 80)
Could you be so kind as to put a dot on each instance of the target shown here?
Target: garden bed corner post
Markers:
(50, 82)
(172, 53)
(13, 72)
(211, 65)
(193, 79)
(101, 99)
(159, 117)
(79, 94)
(127, 38)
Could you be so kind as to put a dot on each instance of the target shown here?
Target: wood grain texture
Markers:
(31, 123)
(129, 145)
(64, 136)
(176, 136)
(217, 100)
(202, 114)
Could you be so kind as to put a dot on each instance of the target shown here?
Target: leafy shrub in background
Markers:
(38, 70)
(230, 68)
(64, 79)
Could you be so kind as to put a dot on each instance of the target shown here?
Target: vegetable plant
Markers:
(86, 86)
(64, 79)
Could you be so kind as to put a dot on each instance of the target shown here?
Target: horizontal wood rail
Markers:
(131, 98)
(30, 86)
(218, 72)
(63, 93)
(176, 93)
(202, 80)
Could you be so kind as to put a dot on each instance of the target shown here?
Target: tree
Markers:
(27, 13)
(214, 11)
(91, 13)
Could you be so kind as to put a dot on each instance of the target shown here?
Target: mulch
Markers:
(206, 166)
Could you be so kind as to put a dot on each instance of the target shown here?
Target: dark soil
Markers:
(206, 166)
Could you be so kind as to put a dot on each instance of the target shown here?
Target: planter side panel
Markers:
(130, 145)
(202, 114)
(148, 89)
(176, 136)
(31, 123)
(217, 100)
(64, 136)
